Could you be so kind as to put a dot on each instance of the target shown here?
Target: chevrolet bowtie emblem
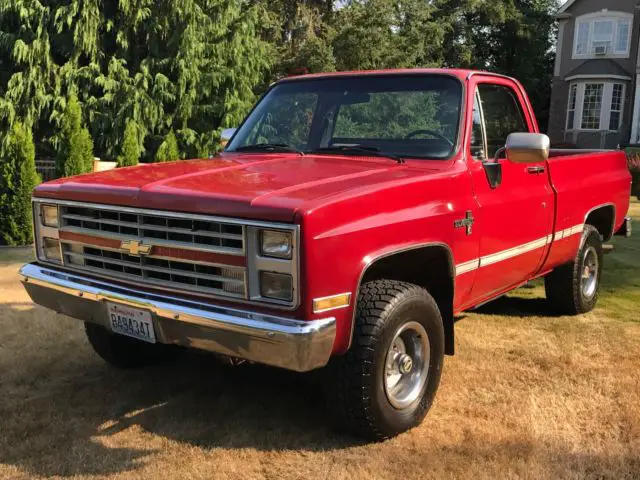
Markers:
(136, 248)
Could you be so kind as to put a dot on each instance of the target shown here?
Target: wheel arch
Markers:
(439, 280)
(603, 218)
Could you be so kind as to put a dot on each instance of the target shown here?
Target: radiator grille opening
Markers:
(182, 274)
(210, 235)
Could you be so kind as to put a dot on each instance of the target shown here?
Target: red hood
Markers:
(271, 186)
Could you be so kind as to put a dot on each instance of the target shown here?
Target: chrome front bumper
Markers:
(282, 342)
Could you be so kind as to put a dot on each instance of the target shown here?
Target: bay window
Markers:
(595, 105)
(602, 34)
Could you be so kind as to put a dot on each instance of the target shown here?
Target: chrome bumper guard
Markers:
(278, 341)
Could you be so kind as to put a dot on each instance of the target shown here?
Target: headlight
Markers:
(276, 244)
(51, 249)
(278, 286)
(49, 215)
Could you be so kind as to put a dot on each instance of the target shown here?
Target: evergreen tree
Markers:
(168, 150)
(196, 65)
(75, 147)
(190, 65)
(18, 178)
(130, 154)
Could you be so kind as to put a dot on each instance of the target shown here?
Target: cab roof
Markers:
(462, 74)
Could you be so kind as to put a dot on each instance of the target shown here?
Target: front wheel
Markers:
(386, 382)
(574, 288)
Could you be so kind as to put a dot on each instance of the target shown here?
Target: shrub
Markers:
(168, 150)
(18, 178)
(75, 153)
(131, 151)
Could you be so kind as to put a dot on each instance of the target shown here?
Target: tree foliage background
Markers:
(193, 67)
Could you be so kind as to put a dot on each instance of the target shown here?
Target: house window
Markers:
(616, 107)
(571, 110)
(595, 105)
(603, 34)
(592, 106)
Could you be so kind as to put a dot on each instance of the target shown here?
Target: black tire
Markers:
(357, 390)
(564, 286)
(124, 352)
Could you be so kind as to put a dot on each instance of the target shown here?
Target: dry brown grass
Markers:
(527, 396)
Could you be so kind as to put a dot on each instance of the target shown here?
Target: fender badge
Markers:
(467, 222)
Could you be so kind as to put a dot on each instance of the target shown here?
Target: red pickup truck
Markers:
(349, 219)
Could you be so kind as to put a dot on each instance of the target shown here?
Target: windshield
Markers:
(413, 116)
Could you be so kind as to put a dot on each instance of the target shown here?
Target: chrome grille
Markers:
(156, 228)
(183, 274)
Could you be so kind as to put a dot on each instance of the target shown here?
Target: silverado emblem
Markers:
(136, 248)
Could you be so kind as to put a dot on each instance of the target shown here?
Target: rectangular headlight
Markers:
(276, 244)
(51, 249)
(278, 286)
(49, 215)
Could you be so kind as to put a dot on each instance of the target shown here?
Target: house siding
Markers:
(566, 65)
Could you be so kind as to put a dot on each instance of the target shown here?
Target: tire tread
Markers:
(351, 399)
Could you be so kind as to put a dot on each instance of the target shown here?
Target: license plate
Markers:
(131, 322)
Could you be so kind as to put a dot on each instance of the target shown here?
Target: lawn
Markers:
(527, 396)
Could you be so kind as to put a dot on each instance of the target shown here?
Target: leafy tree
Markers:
(131, 150)
(190, 65)
(168, 149)
(75, 146)
(193, 66)
(513, 37)
(18, 178)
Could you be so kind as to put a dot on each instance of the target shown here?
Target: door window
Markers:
(502, 115)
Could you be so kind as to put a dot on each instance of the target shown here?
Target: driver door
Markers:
(515, 218)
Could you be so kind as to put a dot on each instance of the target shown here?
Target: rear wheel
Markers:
(386, 382)
(124, 352)
(574, 288)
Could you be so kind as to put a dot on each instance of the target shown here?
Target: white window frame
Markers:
(604, 15)
(605, 108)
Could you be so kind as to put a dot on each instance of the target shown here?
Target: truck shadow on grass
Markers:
(195, 399)
(515, 306)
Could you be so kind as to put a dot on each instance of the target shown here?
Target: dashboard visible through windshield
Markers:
(400, 116)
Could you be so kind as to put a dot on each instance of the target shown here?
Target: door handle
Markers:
(535, 170)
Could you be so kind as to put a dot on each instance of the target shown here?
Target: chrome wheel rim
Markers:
(407, 365)
(589, 280)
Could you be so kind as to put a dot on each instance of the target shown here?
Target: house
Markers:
(595, 98)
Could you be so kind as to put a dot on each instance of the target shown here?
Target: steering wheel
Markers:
(428, 132)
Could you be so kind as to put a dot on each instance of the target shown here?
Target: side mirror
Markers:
(527, 147)
(226, 135)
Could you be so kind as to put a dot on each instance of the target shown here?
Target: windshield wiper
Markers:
(359, 149)
(268, 147)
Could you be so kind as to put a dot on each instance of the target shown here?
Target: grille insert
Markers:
(227, 281)
(158, 228)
